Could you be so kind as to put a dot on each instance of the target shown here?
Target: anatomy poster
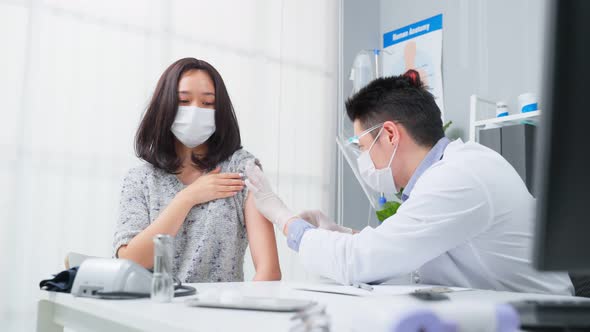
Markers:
(417, 46)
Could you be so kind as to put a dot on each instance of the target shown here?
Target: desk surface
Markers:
(345, 311)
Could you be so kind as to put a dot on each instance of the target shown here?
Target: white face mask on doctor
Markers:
(380, 180)
(193, 125)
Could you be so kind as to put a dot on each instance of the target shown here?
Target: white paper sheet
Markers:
(377, 289)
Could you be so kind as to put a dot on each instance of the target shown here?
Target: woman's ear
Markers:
(391, 132)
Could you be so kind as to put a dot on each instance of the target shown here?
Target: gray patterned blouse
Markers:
(210, 245)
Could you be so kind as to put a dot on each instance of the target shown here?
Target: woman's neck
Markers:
(185, 153)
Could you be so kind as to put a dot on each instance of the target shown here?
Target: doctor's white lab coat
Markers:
(468, 223)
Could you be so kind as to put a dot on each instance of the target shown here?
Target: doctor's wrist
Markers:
(286, 226)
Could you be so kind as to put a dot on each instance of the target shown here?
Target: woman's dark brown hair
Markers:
(154, 141)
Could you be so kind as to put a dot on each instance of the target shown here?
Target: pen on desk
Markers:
(434, 290)
(364, 286)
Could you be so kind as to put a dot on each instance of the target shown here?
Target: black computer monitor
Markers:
(562, 234)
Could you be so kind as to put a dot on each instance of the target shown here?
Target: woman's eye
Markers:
(183, 101)
(208, 104)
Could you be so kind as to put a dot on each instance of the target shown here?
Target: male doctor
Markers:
(466, 219)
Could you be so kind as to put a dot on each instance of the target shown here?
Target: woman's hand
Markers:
(211, 186)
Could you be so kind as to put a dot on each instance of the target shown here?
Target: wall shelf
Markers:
(476, 125)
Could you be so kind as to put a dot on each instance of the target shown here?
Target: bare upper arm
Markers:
(261, 237)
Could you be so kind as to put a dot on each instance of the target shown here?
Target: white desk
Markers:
(56, 310)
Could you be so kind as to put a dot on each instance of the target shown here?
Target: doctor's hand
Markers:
(320, 220)
(267, 202)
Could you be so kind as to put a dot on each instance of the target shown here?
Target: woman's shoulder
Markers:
(142, 172)
(241, 155)
(239, 159)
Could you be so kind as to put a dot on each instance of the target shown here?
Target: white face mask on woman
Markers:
(380, 180)
(193, 125)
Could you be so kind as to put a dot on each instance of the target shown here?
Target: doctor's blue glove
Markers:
(320, 220)
(267, 202)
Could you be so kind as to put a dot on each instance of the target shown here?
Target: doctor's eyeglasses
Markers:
(352, 144)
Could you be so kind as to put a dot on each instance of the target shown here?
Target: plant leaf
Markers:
(447, 125)
(389, 209)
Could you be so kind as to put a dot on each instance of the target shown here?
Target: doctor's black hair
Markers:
(402, 99)
(154, 140)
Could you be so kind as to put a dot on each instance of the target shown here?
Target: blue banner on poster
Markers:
(412, 31)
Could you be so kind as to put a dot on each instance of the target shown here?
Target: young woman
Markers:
(191, 186)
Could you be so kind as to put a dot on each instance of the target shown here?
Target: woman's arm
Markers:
(204, 189)
(263, 245)
(141, 248)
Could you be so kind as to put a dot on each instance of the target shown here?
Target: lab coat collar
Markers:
(435, 154)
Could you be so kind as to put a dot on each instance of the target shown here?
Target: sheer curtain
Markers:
(75, 77)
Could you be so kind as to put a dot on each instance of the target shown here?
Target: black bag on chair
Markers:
(61, 282)
(581, 284)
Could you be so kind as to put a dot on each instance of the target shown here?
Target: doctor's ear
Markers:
(391, 132)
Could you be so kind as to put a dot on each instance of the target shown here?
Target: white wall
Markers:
(75, 77)
(493, 48)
